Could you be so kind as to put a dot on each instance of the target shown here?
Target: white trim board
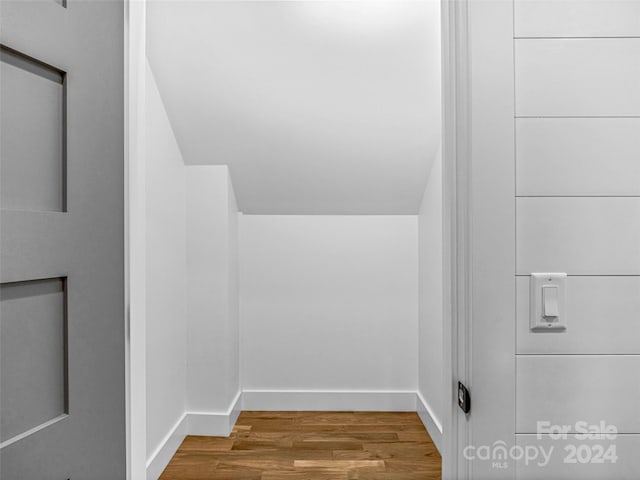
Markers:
(214, 424)
(430, 421)
(135, 237)
(325, 400)
(457, 222)
(163, 454)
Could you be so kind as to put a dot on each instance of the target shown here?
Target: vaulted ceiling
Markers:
(318, 107)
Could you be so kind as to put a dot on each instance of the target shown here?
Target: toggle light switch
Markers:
(547, 302)
(550, 301)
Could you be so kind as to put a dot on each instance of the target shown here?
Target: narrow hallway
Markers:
(293, 199)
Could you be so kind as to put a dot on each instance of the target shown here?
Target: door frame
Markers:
(135, 238)
(479, 226)
(457, 232)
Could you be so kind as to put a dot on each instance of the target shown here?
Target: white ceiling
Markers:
(317, 107)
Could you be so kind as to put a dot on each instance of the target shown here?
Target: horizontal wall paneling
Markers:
(565, 389)
(578, 156)
(573, 18)
(577, 77)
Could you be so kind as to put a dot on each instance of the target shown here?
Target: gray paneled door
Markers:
(62, 372)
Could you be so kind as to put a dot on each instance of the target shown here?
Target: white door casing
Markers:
(479, 194)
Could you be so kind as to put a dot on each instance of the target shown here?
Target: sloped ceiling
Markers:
(317, 107)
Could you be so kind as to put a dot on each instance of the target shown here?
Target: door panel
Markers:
(33, 139)
(34, 387)
(62, 263)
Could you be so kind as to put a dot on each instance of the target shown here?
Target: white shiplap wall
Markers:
(577, 102)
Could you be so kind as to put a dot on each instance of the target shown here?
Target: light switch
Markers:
(548, 302)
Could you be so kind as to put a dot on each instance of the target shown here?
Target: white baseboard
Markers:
(234, 411)
(163, 454)
(430, 421)
(215, 424)
(323, 400)
(221, 423)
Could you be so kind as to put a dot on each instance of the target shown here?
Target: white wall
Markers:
(565, 199)
(165, 273)
(192, 309)
(328, 304)
(192, 295)
(430, 302)
(212, 263)
(578, 211)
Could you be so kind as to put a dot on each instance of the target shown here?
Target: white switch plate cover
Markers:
(539, 323)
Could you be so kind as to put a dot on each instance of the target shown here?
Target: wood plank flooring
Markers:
(312, 446)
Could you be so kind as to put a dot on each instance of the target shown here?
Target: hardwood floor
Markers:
(312, 446)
